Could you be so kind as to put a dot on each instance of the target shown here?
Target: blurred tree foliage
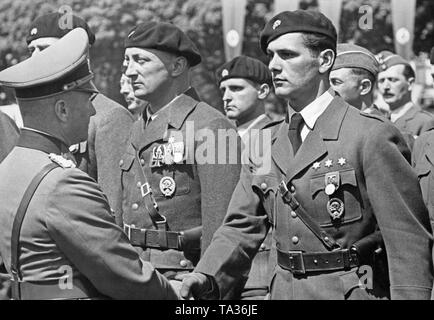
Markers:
(201, 20)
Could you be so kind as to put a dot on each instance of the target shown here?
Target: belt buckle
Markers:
(301, 269)
(127, 229)
(148, 189)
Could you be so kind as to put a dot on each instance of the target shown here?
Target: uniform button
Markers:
(183, 263)
(293, 214)
(292, 189)
(263, 186)
(135, 206)
(295, 240)
(139, 184)
(121, 162)
(142, 162)
(262, 247)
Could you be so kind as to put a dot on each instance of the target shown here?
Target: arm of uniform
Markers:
(397, 202)
(228, 258)
(218, 180)
(79, 221)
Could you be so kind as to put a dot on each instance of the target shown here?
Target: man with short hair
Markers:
(354, 75)
(134, 105)
(245, 84)
(179, 171)
(109, 128)
(395, 83)
(58, 238)
(336, 175)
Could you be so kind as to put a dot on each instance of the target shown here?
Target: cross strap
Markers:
(321, 234)
(151, 205)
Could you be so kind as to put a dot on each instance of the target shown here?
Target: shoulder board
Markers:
(61, 161)
(374, 116)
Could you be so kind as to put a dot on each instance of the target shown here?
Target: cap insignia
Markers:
(225, 73)
(276, 24)
(34, 31)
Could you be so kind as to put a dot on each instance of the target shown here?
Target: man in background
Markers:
(109, 128)
(134, 105)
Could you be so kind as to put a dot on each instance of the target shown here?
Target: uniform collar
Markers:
(172, 115)
(42, 141)
(398, 113)
(313, 110)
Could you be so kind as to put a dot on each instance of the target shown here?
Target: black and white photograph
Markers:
(216, 153)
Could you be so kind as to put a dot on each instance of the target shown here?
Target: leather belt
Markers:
(81, 289)
(301, 263)
(150, 238)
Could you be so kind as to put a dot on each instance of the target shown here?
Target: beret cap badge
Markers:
(276, 24)
(225, 73)
(34, 31)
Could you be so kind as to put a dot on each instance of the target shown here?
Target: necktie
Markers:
(294, 132)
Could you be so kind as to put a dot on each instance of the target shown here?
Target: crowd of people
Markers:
(171, 199)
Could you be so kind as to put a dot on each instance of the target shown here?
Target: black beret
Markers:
(165, 37)
(296, 21)
(244, 67)
(431, 56)
(48, 26)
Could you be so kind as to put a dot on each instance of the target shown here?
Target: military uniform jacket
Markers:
(68, 227)
(109, 131)
(8, 135)
(377, 185)
(423, 162)
(201, 191)
(415, 121)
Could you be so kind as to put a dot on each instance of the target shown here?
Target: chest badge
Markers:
(335, 208)
(157, 156)
(331, 182)
(167, 186)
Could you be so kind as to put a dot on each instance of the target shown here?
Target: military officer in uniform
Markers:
(354, 75)
(337, 174)
(245, 83)
(57, 236)
(109, 128)
(175, 193)
(395, 82)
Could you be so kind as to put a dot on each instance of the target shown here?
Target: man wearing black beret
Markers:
(175, 194)
(109, 128)
(337, 174)
(245, 83)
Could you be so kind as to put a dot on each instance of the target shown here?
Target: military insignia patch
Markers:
(331, 182)
(225, 73)
(167, 186)
(316, 165)
(342, 161)
(157, 156)
(34, 31)
(61, 161)
(335, 208)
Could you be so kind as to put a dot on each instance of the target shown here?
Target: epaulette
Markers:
(61, 161)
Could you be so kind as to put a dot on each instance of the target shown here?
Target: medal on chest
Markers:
(167, 186)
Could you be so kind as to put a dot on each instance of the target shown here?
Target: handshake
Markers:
(194, 285)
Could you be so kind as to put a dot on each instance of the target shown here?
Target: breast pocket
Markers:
(265, 186)
(345, 202)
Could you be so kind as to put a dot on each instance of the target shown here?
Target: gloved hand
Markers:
(196, 285)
